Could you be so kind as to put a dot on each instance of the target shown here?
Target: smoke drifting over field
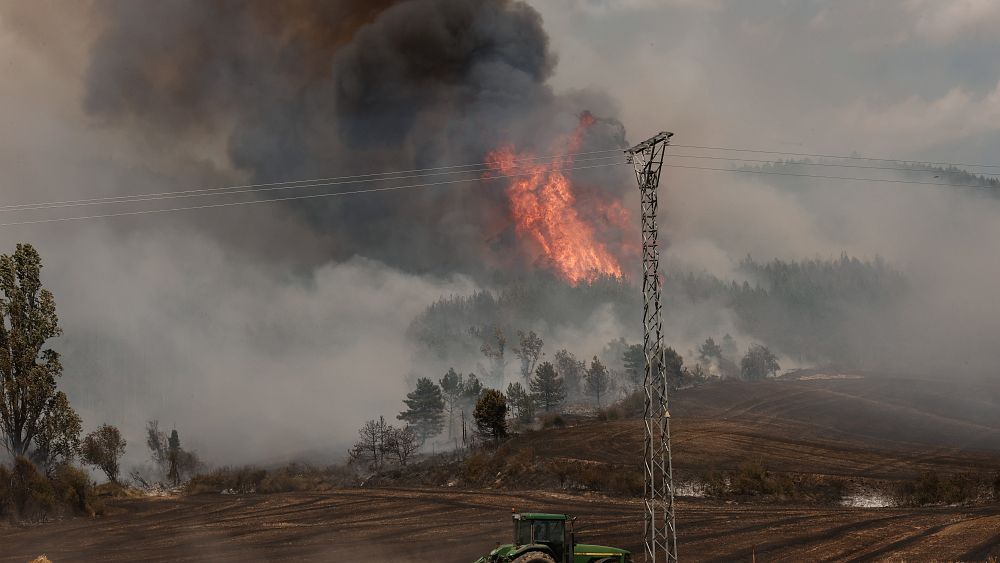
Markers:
(273, 329)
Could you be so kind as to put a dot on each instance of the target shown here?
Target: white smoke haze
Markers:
(247, 362)
(261, 334)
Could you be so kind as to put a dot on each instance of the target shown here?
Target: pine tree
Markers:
(471, 391)
(597, 380)
(547, 387)
(634, 359)
(453, 390)
(521, 402)
(709, 351)
(425, 409)
(491, 415)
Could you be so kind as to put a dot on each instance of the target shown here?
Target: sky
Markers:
(240, 329)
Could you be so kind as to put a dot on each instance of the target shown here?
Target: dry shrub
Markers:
(553, 420)
(480, 465)
(298, 477)
(73, 489)
(292, 477)
(243, 480)
(753, 479)
(630, 407)
(32, 495)
(28, 494)
(932, 488)
(600, 477)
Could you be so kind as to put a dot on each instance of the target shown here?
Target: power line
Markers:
(263, 189)
(955, 164)
(290, 198)
(316, 182)
(826, 164)
(875, 180)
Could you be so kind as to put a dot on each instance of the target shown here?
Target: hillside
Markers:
(873, 426)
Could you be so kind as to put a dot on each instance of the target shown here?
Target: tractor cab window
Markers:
(539, 531)
(522, 532)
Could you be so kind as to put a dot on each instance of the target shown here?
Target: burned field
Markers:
(435, 525)
(862, 430)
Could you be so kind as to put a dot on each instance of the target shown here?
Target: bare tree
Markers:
(494, 345)
(402, 443)
(371, 444)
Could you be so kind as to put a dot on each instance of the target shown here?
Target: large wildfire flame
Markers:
(546, 211)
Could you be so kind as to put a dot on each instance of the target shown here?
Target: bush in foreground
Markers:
(29, 495)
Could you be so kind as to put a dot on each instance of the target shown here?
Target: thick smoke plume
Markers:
(309, 89)
(273, 330)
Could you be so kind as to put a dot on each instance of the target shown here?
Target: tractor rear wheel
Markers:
(535, 557)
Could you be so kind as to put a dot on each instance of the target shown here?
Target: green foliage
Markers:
(425, 409)
(473, 388)
(673, 365)
(634, 360)
(103, 448)
(547, 387)
(758, 363)
(491, 415)
(58, 438)
(709, 351)
(520, 402)
(597, 380)
(28, 370)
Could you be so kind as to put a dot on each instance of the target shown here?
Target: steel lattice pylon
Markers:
(660, 534)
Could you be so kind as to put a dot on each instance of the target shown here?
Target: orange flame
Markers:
(546, 212)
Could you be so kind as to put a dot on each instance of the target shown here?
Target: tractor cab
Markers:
(549, 530)
(549, 538)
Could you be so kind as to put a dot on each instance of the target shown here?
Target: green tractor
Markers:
(544, 538)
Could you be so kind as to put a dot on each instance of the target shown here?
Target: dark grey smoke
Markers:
(312, 88)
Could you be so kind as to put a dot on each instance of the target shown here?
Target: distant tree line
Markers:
(802, 309)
